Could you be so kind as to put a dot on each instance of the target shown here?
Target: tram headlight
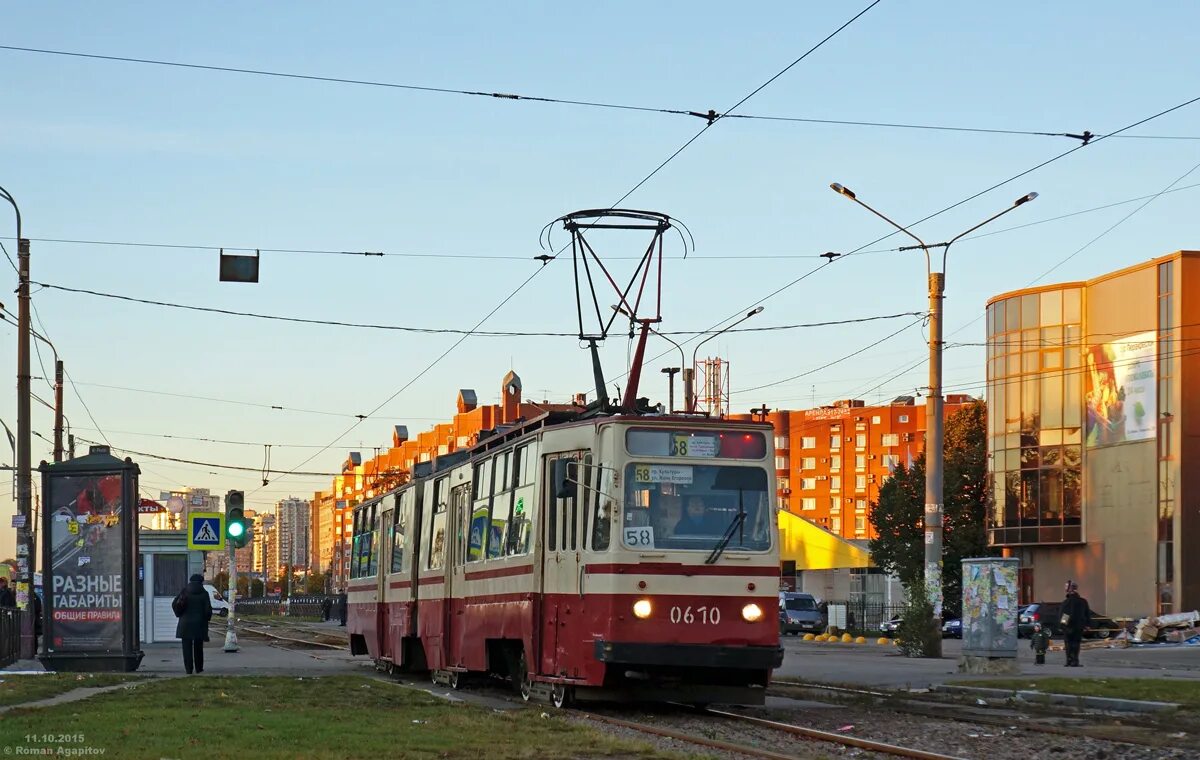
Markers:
(752, 613)
(642, 608)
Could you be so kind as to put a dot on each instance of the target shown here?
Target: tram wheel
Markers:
(455, 680)
(524, 685)
(561, 695)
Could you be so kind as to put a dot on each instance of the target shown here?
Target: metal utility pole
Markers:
(58, 410)
(231, 642)
(670, 372)
(25, 535)
(934, 421)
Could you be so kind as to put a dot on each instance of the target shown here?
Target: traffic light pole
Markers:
(231, 643)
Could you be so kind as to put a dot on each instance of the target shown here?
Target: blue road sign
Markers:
(206, 530)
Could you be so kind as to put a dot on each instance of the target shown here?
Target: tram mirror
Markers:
(565, 478)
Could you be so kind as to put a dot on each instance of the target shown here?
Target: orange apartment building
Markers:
(332, 517)
(831, 461)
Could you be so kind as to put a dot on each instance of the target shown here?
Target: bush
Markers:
(918, 637)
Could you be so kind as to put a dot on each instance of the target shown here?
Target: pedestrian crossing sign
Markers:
(206, 530)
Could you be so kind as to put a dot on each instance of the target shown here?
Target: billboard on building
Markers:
(1121, 391)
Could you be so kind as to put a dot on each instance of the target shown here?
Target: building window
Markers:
(835, 524)
(891, 461)
(860, 524)
(808, 504)
(808, 442)
(860, 482)
(876, 420)
(890, 439)
(903, 418)
(860, 440)
(835, 441)
(860, 505)
(835, 505)
(781, 442)
(835, 463)
(781, 463)
(784, 484)
(808, 484)
(783, 503)
(835, 483)
(860, 462)
(808, 463)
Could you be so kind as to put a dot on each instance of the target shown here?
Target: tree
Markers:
(221, 581)
(898, 516)
(314, 583)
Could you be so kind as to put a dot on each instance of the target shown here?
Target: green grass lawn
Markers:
(1185, 692)
(15, 690)
(287, 717)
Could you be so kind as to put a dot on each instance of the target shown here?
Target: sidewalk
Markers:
(254, 658)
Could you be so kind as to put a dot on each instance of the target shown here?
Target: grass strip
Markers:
(289, 717)
(16, 690)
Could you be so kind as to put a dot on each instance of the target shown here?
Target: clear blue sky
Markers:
(118, 151)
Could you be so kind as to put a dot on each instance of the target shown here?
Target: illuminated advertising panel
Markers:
(1121, 391)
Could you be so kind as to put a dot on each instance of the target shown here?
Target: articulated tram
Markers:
(614, 557)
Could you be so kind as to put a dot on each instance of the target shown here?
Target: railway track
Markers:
(272, 632)
(810, 734)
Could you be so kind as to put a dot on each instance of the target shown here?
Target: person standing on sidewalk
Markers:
(1075, 616)
(194, 610)
(1039, 642)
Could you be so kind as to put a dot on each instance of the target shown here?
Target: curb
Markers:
(1095, 703)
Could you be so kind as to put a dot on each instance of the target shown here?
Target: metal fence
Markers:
(864, 617)
(302, 605)
(10, 636)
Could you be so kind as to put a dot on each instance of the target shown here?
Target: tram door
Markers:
(383, 539)
(562, 543)
(460, 520)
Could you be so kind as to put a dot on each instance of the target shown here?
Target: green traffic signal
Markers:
(236, 529)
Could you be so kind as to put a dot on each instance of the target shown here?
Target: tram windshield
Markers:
(691, 507)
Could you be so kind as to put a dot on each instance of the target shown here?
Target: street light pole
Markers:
(934, 421)
(689, 373)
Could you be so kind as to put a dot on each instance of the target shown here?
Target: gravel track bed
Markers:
(723, 730)
(967, 739)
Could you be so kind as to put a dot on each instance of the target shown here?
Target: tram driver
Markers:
(695, 520)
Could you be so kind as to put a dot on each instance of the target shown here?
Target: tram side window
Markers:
(602, 510)
(478, 526)
(518, 538)
(501, 504)
(460, 506)
(551, 507)
(399, 530)
(436, 551)
(373, 542)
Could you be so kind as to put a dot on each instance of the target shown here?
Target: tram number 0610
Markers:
(690, 615)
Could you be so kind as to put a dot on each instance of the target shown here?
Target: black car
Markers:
(1101, 627)
(798, 613)
(1046, 613)
(952, 629)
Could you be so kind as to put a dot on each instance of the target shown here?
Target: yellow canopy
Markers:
(812, 547)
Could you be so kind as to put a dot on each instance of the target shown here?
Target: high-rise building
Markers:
(1093, 439)
(292, 523)
(831, 461)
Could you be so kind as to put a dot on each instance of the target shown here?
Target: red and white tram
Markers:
(618, 557)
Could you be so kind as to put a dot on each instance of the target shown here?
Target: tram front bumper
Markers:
(689, 655)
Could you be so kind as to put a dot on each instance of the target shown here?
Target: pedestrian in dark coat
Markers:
(1039, 642)
(194, 610)
(326, 608)
(7, 598)
(1075, 617)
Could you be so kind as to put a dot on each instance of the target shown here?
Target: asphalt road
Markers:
(873, 665)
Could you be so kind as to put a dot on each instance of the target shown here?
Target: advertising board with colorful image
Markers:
(1121, 391)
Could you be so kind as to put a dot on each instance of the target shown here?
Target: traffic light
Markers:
(237, 528)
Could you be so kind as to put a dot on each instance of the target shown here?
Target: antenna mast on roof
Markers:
(584, 256)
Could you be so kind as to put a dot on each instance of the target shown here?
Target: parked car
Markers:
(798, 614)
(1049, 614)
(1046, 613)
(219, 605)
(952, 629)
(890, 627)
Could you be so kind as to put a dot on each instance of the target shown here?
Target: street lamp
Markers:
(670, 371)
(689, 373)
(933, 403)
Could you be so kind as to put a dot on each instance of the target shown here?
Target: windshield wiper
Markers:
(719, 549)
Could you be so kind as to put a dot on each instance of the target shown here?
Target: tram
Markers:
(628, 556)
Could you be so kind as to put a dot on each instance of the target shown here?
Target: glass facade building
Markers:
(1093, 443)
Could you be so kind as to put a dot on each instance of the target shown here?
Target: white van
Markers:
(219, 605)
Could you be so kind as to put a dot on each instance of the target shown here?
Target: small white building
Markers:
(164, 566)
